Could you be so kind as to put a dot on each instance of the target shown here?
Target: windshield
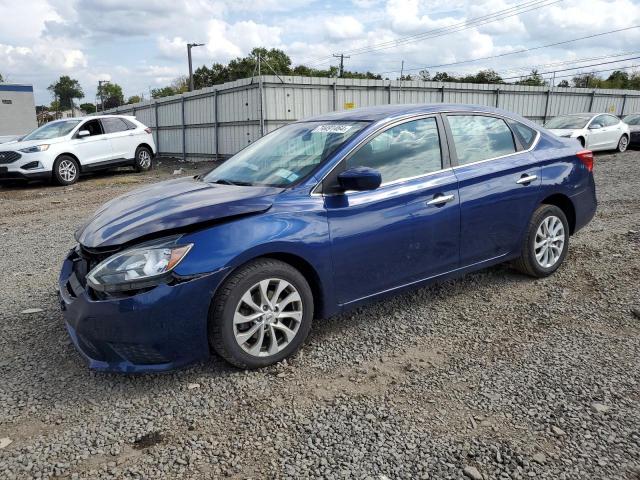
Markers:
(632, 119)
(52, 130)
(286, 155)
(568, 121)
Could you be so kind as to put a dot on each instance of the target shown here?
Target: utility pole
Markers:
(341, 56)
(189, 47)
(401, 75)
(100, 83)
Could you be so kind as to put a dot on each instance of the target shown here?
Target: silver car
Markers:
(595, 131)
(633, 121)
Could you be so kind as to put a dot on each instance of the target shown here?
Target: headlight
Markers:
(143, 266)
(37, 148)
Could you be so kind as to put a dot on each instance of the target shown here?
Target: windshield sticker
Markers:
(287, 174)
(335, 128)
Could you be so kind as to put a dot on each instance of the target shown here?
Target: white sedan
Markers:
(600, 131)
(63, 149)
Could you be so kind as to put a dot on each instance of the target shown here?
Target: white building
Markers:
(17, 110)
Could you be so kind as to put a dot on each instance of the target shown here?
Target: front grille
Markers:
(139, 354)
(9, 157)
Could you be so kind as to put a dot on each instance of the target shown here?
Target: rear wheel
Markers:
(546, 242)
(623, 143)
(261, 315)
(66, 170)
(143, 159)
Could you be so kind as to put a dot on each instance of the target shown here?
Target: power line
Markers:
(578, 68)
(566, 62)
(523, 50)
(465, 25)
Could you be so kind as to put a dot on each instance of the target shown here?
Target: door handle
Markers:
(441, 200)
(526, 179)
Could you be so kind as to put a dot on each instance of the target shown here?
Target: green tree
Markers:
(111, 95)
(1, 78)
(88, 107)
(134, 99)
(162, 92)
(563, 83)
(483, 76)
(586, 80)
(444, 77)
(618, 79)
(65, 90)
(534, 79)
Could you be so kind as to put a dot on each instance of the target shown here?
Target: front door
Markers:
(408, 228)
(498, 183)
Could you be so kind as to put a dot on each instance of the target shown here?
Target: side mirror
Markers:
(595, 126)
(360, 179)
(84, 133)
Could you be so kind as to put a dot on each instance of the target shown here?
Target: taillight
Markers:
(148, 130)
(586, 157)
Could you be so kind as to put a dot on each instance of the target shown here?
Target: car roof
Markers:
(390, 112)
(90, 117)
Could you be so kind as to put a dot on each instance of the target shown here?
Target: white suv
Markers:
(63, 149)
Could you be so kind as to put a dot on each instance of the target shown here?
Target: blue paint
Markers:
(15, 88)
(358, 246)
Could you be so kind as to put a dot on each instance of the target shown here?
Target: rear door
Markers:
(95, 147)
(613, 130)
(498, 183)
(408, 228)
(120, 136)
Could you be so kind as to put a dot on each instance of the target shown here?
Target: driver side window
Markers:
(407, 150)
(93, 126)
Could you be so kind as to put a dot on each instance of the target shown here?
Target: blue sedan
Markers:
(313, 219)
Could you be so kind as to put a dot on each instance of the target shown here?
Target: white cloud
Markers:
(343, 27)
(226, 41)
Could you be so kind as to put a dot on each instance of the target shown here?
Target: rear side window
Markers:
(477, 137)
(525, 134)
(130, 125)
(113, 125)
(609, 121)
(404, 151)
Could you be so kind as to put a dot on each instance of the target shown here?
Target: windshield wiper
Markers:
(224, 181)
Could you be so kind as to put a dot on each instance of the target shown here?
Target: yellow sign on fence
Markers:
(349, 105)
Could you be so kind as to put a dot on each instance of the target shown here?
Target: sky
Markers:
(141, 44)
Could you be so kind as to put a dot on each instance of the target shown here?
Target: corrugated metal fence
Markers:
(218, 121)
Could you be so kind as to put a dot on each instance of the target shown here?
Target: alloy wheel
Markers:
(549, 242)
(144, 159)
(67, 170)
(623, 143)
(267, 317)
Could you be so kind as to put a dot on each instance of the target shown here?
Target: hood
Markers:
(16, 145)
(170, 205)
(562, 132)
(634, 128)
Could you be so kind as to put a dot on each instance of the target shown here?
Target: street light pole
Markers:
(189, 47)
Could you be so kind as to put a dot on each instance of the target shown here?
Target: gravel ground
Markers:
(494, 375)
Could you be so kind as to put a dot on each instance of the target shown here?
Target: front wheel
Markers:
(546, 242)
(261, 314)
(143, 159)
(623, 143)
(66, 170)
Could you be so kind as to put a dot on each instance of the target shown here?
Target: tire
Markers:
(623, 144)
(144, 158)
(529, 263)
(237, 342)
(66, 170)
